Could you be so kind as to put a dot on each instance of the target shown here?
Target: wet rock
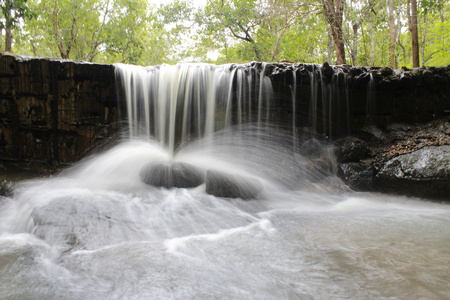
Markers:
(312, 148)
(425, 173)
(372, 135)
(327, 70)
(221, 184)
(386, 71)
(170, 175)
(6, 188)
(318, 168)
(357, 175)
(361, 81)
(404, 159)
(79, 223)
(351, 149)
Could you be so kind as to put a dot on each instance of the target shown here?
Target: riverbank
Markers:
(404, 159)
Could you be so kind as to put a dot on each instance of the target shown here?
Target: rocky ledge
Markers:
(411, 160)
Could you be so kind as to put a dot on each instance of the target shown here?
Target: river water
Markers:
(96, 231)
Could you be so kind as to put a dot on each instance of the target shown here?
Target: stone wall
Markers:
(346, 99)
(57, 111)
(54, 111)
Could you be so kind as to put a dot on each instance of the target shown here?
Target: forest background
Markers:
(392, 33)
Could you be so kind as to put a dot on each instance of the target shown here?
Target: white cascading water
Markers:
(175, 104)
(96, 231)
(329, 102)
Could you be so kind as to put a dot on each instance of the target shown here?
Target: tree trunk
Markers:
(355, 45)
(393, 35)
(257, 52)
(398, 32)
(8, 40)
(8, 27)
(330, 45)
(364, 38)
(412, 23)
(364, 12)
(339, 47)
(372, 44)
(334, 15)
(424, 38)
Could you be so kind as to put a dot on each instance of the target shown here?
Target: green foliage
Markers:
(439, 43)
(13, 11)
(135, 32)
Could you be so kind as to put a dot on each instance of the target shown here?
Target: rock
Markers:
(351, 150)
(357, 175)
(372, 135)
(318, 168)
(311, 148)
(386, 71)
(327, 70)
(6, 189)
(361, 81)
(423, 173)
(227, 185)
(170, 175)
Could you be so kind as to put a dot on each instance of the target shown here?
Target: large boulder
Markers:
(221, 184)
(425, 172)
(172, 174)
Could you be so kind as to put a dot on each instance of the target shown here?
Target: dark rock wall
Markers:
(58, 111)
(340, 100)
(54, 111)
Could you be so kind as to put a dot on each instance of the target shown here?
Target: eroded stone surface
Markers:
(221, 184)
(358, 175)
(405, 159)
(172, 175)
(425, 172)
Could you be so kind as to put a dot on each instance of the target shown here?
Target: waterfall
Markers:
(329, 109)
(370, 106)
(179, 104)
(101, 230)
(185, 102)
(294, 119)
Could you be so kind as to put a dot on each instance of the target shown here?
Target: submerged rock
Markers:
(425, 172)
(227, 185)
(170, 175)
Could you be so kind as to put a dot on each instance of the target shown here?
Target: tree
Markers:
(412, 24)
(237, 17)
(129, 31)
(13, 11)
(435, 45)
(77, 25)
(133, 31)
(356, 15)
(334, 11)
(126, 33)
(393, 34)
(276, 19)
